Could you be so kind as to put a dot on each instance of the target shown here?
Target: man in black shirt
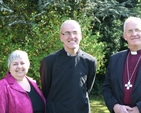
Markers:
(68, 75)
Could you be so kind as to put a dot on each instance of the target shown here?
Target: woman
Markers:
(19, 93)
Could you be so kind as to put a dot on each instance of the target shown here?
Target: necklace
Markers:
(128, 85)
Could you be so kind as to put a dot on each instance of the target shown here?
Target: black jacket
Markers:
(113, 87)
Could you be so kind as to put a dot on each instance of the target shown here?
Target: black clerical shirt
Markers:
(66, 81)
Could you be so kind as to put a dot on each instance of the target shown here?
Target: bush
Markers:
(39, 36)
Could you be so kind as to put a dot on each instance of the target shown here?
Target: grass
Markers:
(98, 105)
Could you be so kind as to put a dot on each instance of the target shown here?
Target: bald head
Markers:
(135, 19)
(71, 22)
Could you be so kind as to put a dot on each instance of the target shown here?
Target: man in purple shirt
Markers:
(122, 86)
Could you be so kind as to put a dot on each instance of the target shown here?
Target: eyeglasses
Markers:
(131, 31)
(68, 34)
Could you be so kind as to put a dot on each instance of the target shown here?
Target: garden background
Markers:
(33, 26)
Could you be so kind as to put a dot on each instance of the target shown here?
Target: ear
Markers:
(124, 36)
(61, 38)
(81, 36)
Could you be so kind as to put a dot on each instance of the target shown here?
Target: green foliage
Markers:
(108, 22)
(34, 26)
(37, 32)
(137, 10)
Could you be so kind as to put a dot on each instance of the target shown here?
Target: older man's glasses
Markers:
(131, 31)
(68, 34)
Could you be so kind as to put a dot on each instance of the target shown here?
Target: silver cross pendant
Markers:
(128, 85)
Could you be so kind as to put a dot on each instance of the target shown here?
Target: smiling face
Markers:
(18, 64)
(18, 68)
(71, 35)
(132, 34)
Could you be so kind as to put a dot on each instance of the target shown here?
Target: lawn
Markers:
(98, 105)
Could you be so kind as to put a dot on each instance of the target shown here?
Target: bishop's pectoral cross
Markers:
(128, 85)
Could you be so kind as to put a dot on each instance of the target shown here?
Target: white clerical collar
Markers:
(68, 54)
(133, 52)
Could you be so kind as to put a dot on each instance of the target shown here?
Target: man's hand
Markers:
(135, 110)
(123, 109)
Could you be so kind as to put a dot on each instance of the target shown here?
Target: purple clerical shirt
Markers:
(132, 61)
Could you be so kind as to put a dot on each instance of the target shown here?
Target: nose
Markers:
(72, 35)
(134, 32)
(19, 65)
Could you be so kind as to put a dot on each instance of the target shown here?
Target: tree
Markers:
(36, 30)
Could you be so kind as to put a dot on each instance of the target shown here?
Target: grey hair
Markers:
(18, 54)
(70, 22)
(129, 19)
